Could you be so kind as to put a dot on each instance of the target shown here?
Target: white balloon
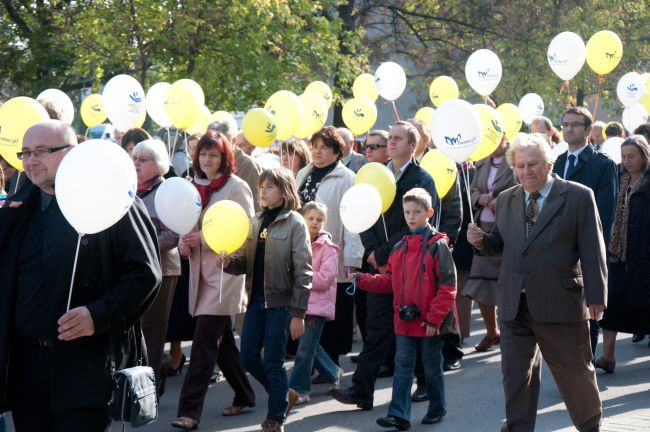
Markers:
(630, 88)
(360, 207)
(124, 101)
(178, 205)
(612, 148)
(566, 55)
(95, 185)
(483, 71)
(155, 103)
(530, 107)
(559, 148)
(61, 100)
(390, 80)
(634, 116)
(456, 129)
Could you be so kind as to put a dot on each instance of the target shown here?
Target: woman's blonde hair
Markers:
(283, 179)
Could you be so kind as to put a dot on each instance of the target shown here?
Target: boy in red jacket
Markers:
(422, 276)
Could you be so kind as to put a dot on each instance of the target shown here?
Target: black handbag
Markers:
(134, 399)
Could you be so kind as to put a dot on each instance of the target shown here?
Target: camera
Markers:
(409, 313)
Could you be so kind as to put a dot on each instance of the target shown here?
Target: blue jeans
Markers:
(310, 354)
(268, 328)
(400, 404)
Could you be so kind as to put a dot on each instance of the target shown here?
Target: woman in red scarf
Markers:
(213, 342)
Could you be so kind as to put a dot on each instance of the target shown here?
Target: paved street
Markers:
(474, 399)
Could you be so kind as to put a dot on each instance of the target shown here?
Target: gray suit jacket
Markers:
(561, 264)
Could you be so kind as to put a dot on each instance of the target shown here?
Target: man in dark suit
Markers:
(553, 278)
(582, 164)
(55, 368)
(378, 242)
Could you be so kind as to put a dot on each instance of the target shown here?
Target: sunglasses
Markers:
(374, 146)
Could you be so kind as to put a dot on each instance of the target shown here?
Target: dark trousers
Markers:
(594, 330)
(213, 343)
(154, 326)
(336, 338)
(31, 384)
(379, 338)
(360, 300)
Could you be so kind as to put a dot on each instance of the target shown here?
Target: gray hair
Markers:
(377, 132)
(536, 141)
(345, 134)
(229, 129)
(156, 150)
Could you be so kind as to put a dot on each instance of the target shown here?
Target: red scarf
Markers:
(143, 187)
(207, 191)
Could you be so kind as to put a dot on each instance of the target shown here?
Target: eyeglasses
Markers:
(39, 152)
(572, 125)
(140, 159)
(375, 146)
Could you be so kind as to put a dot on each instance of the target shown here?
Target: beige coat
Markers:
(249, 171)
(330, 191)
(205, 276)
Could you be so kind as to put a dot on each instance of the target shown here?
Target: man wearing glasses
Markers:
(55, 364)
(582, 164)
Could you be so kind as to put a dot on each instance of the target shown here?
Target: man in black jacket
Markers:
(55, 363)
(598, 172)
(379, 241)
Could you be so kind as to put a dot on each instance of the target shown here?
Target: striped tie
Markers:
(531, 212)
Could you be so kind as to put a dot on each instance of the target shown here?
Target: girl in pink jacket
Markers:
(322, 301)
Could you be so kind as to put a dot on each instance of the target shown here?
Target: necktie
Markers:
(572, 166)
(531, 212)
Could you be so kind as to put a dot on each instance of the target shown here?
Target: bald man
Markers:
(351, 159)
(58, 375)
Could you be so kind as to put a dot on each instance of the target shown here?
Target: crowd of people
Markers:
(558, 251)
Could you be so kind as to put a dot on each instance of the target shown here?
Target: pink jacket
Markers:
(325, 264)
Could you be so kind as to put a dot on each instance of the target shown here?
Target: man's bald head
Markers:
(348, 139)
(41, 166)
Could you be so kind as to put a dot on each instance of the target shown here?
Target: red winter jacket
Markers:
(408, 269)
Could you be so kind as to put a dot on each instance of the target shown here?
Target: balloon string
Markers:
(464, 169)
(169, 142)
(74, 270)
(17, 183)
(221, 278)
(395, 110)
(187, 154)
(601, 80)
(385, 230)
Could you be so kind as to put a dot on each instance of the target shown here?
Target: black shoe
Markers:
(354, 359)
(318, 379)
(431, 419)
(394, 422)
(420, 395)
(170, 371)
(450, 365)
(385, 372)
(637, 338)
(349, 397)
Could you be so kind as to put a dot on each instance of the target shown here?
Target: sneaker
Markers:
(269, 425)
(339, 378)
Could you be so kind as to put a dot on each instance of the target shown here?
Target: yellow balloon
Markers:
(425, 115)
(16, 116)
(364, 85)
(259, 127)
(287, 112)
(492, 128)
(359, 114)
(92, 110)
(382, 179)
(442, 169)
(182, 105)
(225, 226)
(604, 52)
(323, 89)
(195, 88)
(315, 114)
(203, 120)
(442, 89)
(645, 101)
(510, 118)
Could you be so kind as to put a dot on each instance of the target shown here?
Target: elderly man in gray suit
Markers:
(553, 278)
